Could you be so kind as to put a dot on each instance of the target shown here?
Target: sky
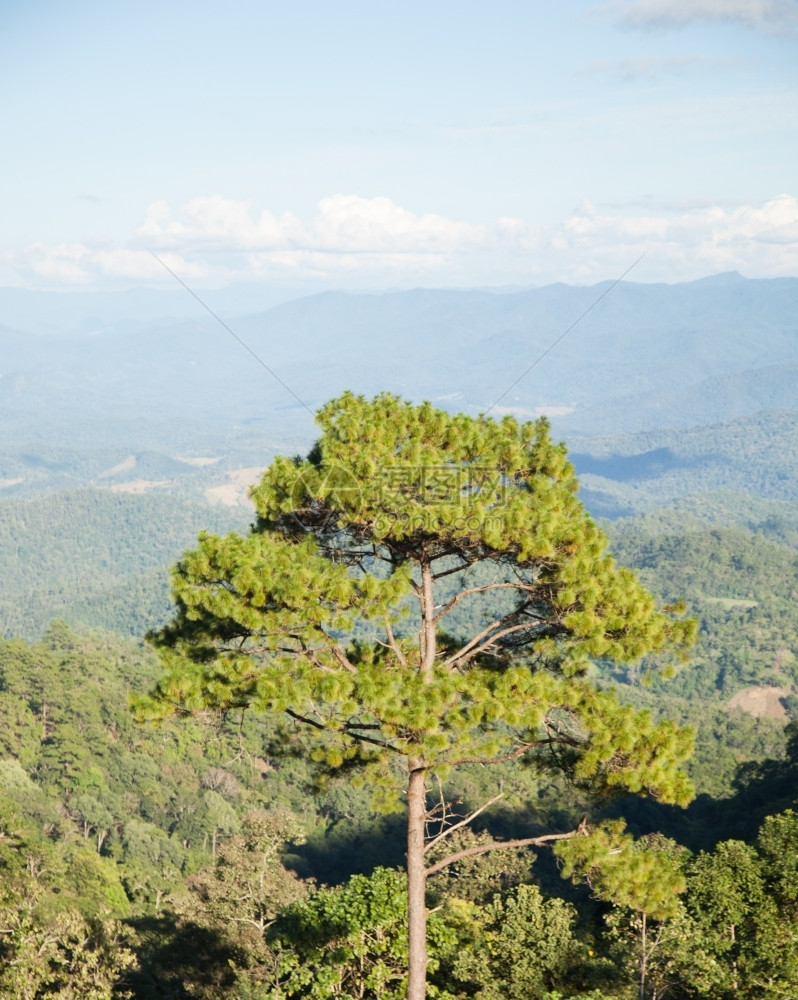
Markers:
(367, 145)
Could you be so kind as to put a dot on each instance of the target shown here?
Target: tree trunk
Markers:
(416, 882)
(643, 958)
(417, 812)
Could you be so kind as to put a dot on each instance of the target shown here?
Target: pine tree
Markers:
(643, 880)
(422, 591)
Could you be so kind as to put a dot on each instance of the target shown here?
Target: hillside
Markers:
(95, 557)
(755, 457)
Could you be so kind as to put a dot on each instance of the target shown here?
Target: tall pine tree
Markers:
(422, 591)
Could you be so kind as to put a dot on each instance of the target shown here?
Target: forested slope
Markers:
(742, 587)
(151, 863)
(755, 457)
(95, 557)
(127, 851)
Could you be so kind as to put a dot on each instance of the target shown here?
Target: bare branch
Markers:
(484, 641)
(463, 822)
(354, 726)
(393, 644)
(446, 608)
(497, 845)
(519, 751)
(440, 811)
(339, 654)
(455, 569)
(312, 658)
(370, 739)
(501, 759)
(305, 720)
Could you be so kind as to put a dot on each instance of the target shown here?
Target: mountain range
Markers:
(671, 374)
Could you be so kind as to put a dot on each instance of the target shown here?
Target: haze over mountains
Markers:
(684, 374)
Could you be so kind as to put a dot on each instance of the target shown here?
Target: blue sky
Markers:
(375, 145)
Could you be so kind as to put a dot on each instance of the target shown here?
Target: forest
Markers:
(206, 854)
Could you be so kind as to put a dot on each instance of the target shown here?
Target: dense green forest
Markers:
(190, 860)
(187, 861)
(632, 473)
(95, 557)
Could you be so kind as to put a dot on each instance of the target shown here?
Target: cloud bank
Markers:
(774, 16)
(372, 242)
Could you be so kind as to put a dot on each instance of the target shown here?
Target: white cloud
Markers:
(654, 67)
(373, 242)
(216, 221)
(779, 16)
(67, 263)
(342, 222)
(346, 221)
(121, 262)
(87, 265)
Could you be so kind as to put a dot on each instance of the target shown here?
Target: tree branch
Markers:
(446, 608)
(455, 569)
(342, 729)
(496, 845)
(463, 822)
(343, 659)
(393, 644)
(484, 640)
(352, 726)
(519, 751)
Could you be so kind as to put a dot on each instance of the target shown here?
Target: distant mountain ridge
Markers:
(726, 397)
(678, 401)
(645, 359)
(466, 345)
(754, 456)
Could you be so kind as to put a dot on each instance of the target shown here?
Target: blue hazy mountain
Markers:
(155, 373)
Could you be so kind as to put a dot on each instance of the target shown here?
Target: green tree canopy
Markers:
(339, 610)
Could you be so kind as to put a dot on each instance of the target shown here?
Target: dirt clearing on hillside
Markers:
(234, 493)
(761, 701)
(138, 486)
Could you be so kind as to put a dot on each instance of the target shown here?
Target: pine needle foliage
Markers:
(335, 610)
